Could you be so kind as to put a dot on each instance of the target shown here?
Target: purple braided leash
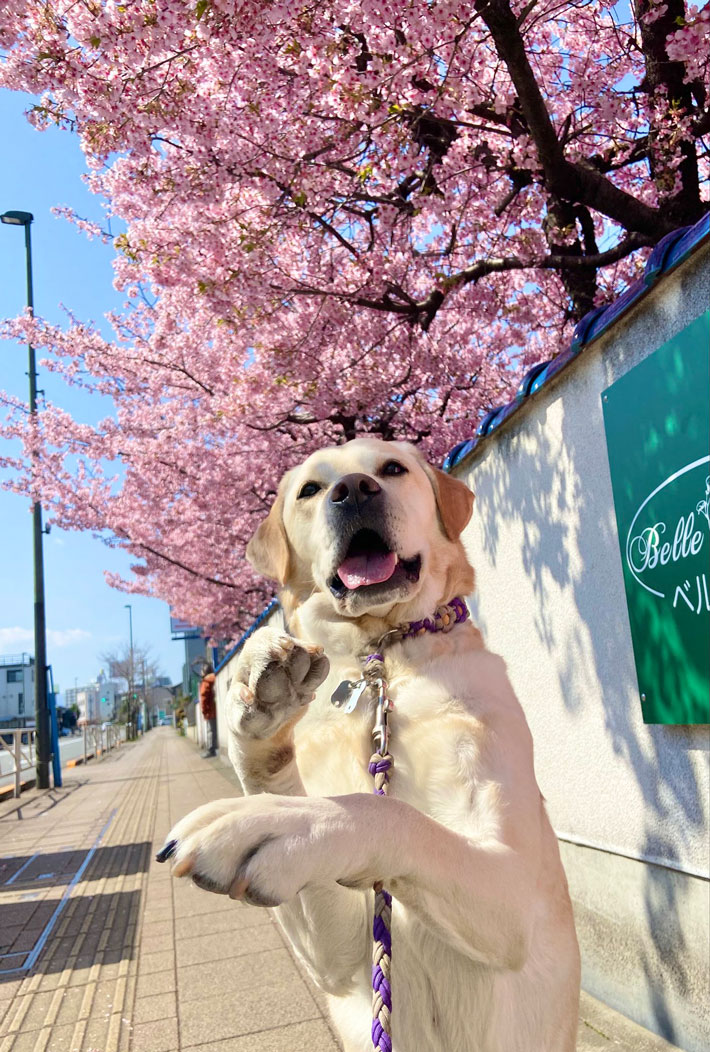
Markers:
(380, 765)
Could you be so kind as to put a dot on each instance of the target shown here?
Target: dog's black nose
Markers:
(354, 490)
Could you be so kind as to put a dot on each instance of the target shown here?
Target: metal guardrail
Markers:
(22, 752)
(19, 744)
(100, 740)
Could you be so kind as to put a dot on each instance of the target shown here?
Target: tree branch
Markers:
(182, 566)
(569, 181)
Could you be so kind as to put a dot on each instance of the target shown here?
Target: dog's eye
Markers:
(393, 467)
(308, 489)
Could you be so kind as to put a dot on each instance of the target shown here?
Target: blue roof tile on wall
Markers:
(670, 251)
(503, 414)
(457, 454)
(656, 262)
(554, 366)
(687, 244)
(614, 311)
(527, 380)
(581, 329)
(485, 425)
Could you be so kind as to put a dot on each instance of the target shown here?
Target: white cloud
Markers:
(15, 639)
(66, 637)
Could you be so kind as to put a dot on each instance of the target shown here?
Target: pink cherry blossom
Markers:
(340, 219)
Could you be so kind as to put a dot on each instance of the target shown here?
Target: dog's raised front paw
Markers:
(262, 849)
(276, 677)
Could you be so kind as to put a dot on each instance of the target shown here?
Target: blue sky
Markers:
(84, 616)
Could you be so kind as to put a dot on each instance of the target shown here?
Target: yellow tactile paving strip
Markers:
(77, 994)
(137, 962)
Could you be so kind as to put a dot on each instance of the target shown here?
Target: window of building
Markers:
(14, 675)
(20, 704)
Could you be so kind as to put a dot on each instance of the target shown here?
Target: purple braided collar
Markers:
(446, 617)
(456, 608)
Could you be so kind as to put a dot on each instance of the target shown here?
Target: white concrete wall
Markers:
(550, 598)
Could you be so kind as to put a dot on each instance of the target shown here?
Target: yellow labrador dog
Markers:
(361, 538)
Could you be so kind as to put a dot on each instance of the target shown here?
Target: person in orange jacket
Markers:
(208, 707)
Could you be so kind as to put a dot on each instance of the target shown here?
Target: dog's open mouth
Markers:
(369, 561)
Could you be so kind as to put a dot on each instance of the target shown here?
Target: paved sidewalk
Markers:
(101, 951)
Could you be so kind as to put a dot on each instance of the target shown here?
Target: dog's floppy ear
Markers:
(268, 550)
(453, 499)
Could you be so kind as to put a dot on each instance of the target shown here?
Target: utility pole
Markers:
(131, 677)
(43, 745)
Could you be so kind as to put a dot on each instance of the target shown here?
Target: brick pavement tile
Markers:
(155, 983)
(258, 969)
(214, 1019)
(24, 939)
(155, 962)
(8, 936)
(158, 1006)
(225, 945)
(157, 943)
(36, 1012)
(50, 980)
(112, 995)
(71, 1005)
(87, 979)
(96, 1033)
(313, 1036)
(152, 929)
(154, 901)
(26, 1043)
(9, 988)
(162, 913)
(233, 919)
(158, 1036)
(191, 901)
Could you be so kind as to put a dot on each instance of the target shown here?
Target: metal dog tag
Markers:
(347, 694)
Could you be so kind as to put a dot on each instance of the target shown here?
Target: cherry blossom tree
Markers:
(340, 218)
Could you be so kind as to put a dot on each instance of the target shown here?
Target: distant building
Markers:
(97, 702)
(17, 690)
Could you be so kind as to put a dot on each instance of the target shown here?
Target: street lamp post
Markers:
(131, 699)
(24, 219)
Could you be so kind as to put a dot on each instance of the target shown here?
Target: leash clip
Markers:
(380, 731)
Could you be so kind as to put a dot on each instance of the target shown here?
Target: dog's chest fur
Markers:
(437, 740)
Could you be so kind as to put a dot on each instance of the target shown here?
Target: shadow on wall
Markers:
(569, 541)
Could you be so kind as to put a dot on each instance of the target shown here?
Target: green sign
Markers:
(657, 423)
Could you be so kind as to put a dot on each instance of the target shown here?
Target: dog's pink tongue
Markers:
(359, 570)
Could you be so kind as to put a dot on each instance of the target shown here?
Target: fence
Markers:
(19, 744)
(99, 740)
(21, 749)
